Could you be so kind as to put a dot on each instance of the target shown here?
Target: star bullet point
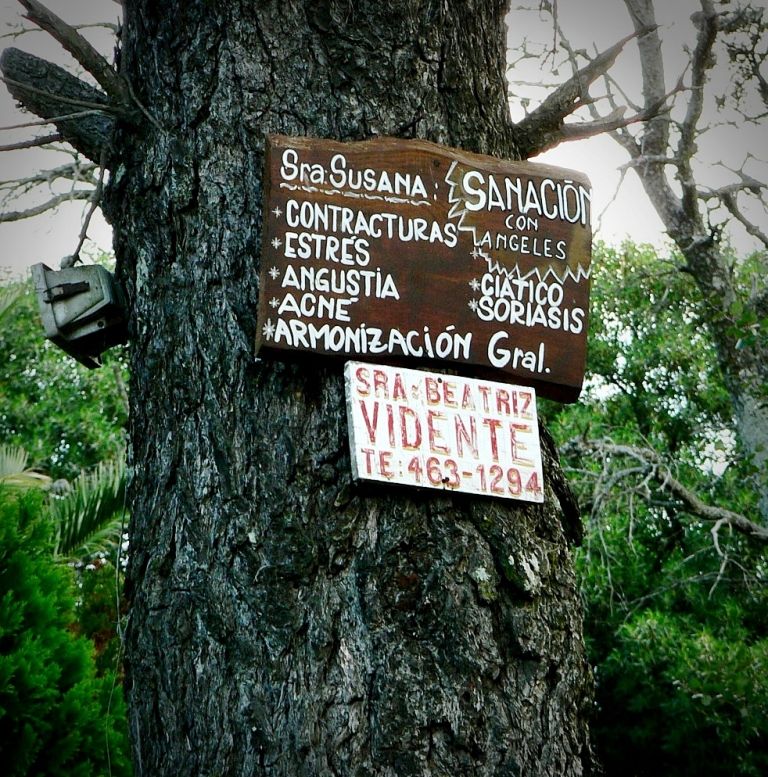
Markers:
(268, 330)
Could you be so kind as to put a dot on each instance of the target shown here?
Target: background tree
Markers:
(675, 622)
(66, 417)
(668, 449)
(669, 453)
(663, 133)
(64, 427)
(738, 317)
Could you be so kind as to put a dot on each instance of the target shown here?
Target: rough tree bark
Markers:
(283, 620)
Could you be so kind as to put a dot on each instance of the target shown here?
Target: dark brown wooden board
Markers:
(404, 251)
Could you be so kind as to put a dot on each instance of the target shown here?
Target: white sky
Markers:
(50, 237)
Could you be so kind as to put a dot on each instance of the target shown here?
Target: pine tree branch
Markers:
(48, 91)
(81, 50)
(544, 127)
(75, 102)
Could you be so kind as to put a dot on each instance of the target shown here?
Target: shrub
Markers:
(56, 716)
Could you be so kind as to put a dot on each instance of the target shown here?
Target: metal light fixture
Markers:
(83, 310)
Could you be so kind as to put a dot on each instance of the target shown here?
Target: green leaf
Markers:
(14, 472)
(90, 517)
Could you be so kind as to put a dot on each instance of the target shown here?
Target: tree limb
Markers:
(661, 474)
(729, 201)
(94, 201)
(701, 62)
(727, 195)
(45, 89)
(76, 172)
(54, 202)
(80, 49)
(543, 128)
(52, 120)
(77, 103)
(33, 142)
(614, 121)
(655, 138)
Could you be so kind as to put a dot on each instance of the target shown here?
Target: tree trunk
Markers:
(285, 621)
(742, 353)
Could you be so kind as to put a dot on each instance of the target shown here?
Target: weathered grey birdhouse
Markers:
(82, 309)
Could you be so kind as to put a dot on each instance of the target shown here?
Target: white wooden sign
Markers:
(443, 431)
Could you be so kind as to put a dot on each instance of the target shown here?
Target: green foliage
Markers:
(89, 518)
(97, 612)
(56, 716)
(652, 369)
(8, 296)
(14, 472)
(59, 701)
(677, 632)
(688, 696)
(67, 417)
(679, 638)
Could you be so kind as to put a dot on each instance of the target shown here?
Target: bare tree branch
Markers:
(652, 465)
(610, 123)
(747, 49)
(93, 204)
(655, 138)
(111, 26)
(54, 202)
(701, 62)
(729, 200)
(56, 137)
(543, 127)
(52, 120)
(77, 172)
(728, 196)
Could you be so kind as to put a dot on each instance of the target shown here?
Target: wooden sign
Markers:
(442, 431)
(406, 251)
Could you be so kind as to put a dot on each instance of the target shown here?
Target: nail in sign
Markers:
(406, 251)
(443, 431)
